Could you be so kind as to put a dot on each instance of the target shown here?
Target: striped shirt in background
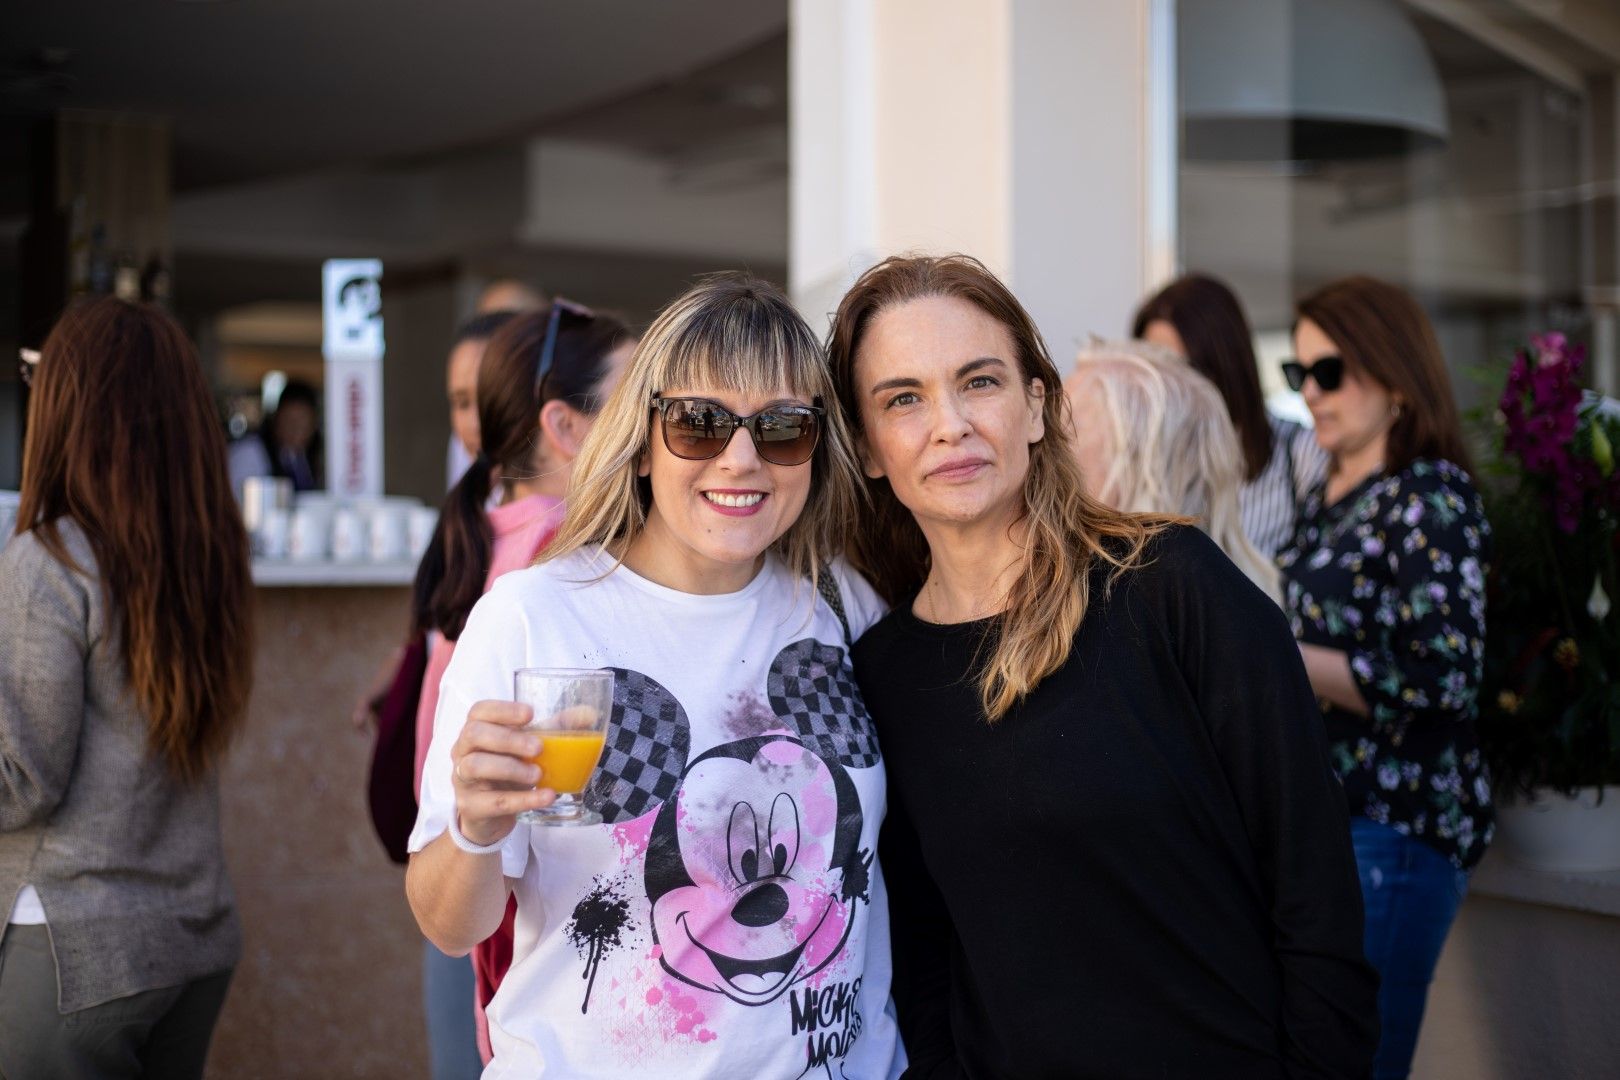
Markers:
(1267, 504)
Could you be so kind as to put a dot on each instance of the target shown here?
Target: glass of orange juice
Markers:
(571, 709)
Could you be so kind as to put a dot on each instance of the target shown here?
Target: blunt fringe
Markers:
(1064, 533)
(123, 441)
(729, 333)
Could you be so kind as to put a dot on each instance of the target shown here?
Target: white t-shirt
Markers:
(728, 918)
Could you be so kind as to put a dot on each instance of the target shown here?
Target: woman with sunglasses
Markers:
(1385, 587)
(1118, 851)
(727, 916)
(541, 382)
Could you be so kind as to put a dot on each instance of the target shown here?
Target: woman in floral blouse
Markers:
(1385, 586)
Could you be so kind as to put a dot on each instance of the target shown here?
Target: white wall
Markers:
(1080, 167)
(1016, 131)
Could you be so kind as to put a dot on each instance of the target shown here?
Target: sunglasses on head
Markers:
(559, 308)
(1328, 371)
(698, 429)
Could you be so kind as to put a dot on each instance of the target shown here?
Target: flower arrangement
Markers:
(1550, 710)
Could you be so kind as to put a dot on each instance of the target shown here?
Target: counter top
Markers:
(284, 573)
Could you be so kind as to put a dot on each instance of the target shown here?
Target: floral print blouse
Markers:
(1393, 575)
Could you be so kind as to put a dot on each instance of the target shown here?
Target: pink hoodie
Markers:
(522, 528)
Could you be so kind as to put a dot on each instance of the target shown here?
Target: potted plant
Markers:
(1550, 702)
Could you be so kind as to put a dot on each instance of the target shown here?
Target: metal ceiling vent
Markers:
(1305, 81)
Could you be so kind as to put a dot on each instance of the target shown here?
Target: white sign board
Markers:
(354, 445)
(352, 342)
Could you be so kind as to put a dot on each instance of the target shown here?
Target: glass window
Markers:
(1466, 151)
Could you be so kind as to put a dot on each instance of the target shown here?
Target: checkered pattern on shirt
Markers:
(648, 740)
(812, 687)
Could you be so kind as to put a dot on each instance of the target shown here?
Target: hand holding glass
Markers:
(571, 709)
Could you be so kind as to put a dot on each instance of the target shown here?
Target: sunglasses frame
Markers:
(559, 308)
(661, 404)
(1296, 374)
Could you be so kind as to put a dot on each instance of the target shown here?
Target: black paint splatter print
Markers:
(597, 928)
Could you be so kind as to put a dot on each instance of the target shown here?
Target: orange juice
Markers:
(567, 759)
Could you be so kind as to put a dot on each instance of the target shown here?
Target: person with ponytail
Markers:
(543, 377)
(1113, 830)
(126, 651)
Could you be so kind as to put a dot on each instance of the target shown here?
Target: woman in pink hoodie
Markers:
(542, 379)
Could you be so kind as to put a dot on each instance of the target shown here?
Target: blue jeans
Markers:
(448, 998)
(1411, 893)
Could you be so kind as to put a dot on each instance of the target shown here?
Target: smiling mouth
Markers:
(735, 500)
(755, 977)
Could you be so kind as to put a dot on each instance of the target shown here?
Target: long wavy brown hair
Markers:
(1063, 532)
(124, 442)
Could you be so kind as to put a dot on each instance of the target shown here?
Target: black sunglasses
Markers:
(1328, 371)
(29, 365)
(698, 429)
(559, 307)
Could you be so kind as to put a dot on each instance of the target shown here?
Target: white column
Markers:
(1018, 131)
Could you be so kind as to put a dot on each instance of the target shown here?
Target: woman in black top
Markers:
(1385, 587)
(1115, 847)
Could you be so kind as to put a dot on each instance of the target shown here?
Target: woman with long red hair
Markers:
(125, 663)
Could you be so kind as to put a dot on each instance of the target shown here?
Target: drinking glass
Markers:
(571, 708)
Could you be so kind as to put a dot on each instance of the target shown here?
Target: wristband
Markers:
(467, 845)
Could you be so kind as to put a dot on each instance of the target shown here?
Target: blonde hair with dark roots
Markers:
(1065, 533)
(1171, 445)
(727, 334)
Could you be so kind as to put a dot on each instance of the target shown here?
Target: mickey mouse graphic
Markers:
(753, 868)
(753, 865)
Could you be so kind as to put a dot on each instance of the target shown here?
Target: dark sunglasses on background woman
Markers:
(1328, 371)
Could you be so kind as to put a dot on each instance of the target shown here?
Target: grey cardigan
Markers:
(127, 860)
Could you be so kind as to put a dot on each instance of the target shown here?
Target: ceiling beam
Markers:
(1477, 21)
(1592, 24)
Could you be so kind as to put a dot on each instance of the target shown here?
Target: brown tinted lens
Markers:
(786, 436)
(696, 429)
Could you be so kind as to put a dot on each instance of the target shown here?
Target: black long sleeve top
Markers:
(1144, 869)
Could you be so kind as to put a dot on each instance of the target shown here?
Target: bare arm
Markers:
(458, 898)
(1329, 671)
